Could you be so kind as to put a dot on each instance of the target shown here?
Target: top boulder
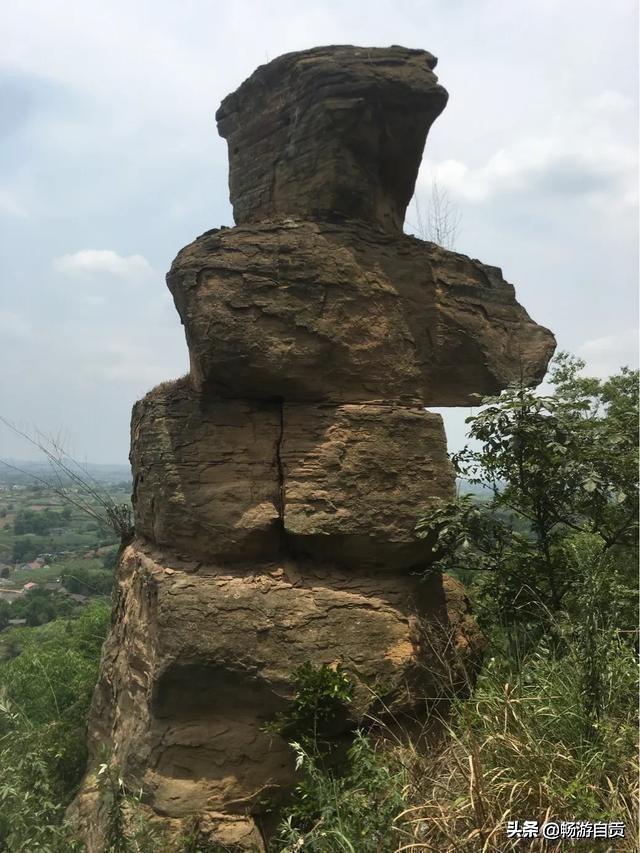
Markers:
(331, 133)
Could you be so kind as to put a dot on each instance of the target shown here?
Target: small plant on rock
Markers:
(322, 694)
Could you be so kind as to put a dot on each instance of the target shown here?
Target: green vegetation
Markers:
(550, 558)
(556, 466)
(48, 669)
(42, 522)
(44, 699)
(353, 810)
(322, 694)
(37, 607)
(87, 577)
(548, 730)
(58, 548)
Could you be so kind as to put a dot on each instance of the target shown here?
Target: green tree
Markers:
(553, 465)
(26, 548)
(5, 614)
(41, 606)
(87, 577)
(110, 558)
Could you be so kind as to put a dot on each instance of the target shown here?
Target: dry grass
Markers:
(519, 749)
(461, 799)
(168, 387)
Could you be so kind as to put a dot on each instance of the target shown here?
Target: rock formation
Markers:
(277, 487)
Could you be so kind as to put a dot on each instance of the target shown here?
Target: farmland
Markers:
(55, 552)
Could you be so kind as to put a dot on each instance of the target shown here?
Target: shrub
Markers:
(349, 810)
(524, 748)
(44, 699)
(322, 694)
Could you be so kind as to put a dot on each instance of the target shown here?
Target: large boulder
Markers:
(235, 481)
(333, 132)
(357, 478)
(198, 664)
(319, 311)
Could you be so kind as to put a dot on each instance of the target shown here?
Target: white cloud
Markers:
(610, 101)
(121, 139)
(122, 360)
(608, 354)
(92, 301)
(582, 154)
(103, 261)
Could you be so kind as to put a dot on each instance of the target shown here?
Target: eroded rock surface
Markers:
(334, 132)
(277, 487)
(229, 481)
(355, 479)
(205, 476)
(198, 663)
(313, 311)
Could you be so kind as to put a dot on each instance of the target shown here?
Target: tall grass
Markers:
(524, 747)
(530, 743)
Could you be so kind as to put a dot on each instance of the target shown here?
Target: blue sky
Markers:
(110, 163)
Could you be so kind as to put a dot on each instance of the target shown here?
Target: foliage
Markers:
(555, 464)
(599, 629)
(528, 742)
(38, 522)
(31, 811)
(40, 606)
(110, 557)
(27, 548)
(322, 693)
(346, 804)
(44, 698)
(127, 830)
(548, 732)
(350, 811)
(550, 729)
(5, 614)
(86, 577)
(517, 748)
(72, 483)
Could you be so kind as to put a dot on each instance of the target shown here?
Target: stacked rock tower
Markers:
(277, 487)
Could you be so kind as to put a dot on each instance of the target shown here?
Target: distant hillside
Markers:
(111, 474)
(16, 472)
(464, 487)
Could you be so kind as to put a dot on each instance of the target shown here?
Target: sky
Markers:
(110, 162)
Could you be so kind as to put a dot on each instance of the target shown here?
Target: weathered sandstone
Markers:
(225, 480)
(197, 664)
(332, 133)
(277, 487)
(313, 311)
(205, 478)
(355, 479)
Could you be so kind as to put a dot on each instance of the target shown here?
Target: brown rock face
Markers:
(314, 311)
(277, 487)
(205, 474)
(331, 133)
(198, 663)
(356, 477)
